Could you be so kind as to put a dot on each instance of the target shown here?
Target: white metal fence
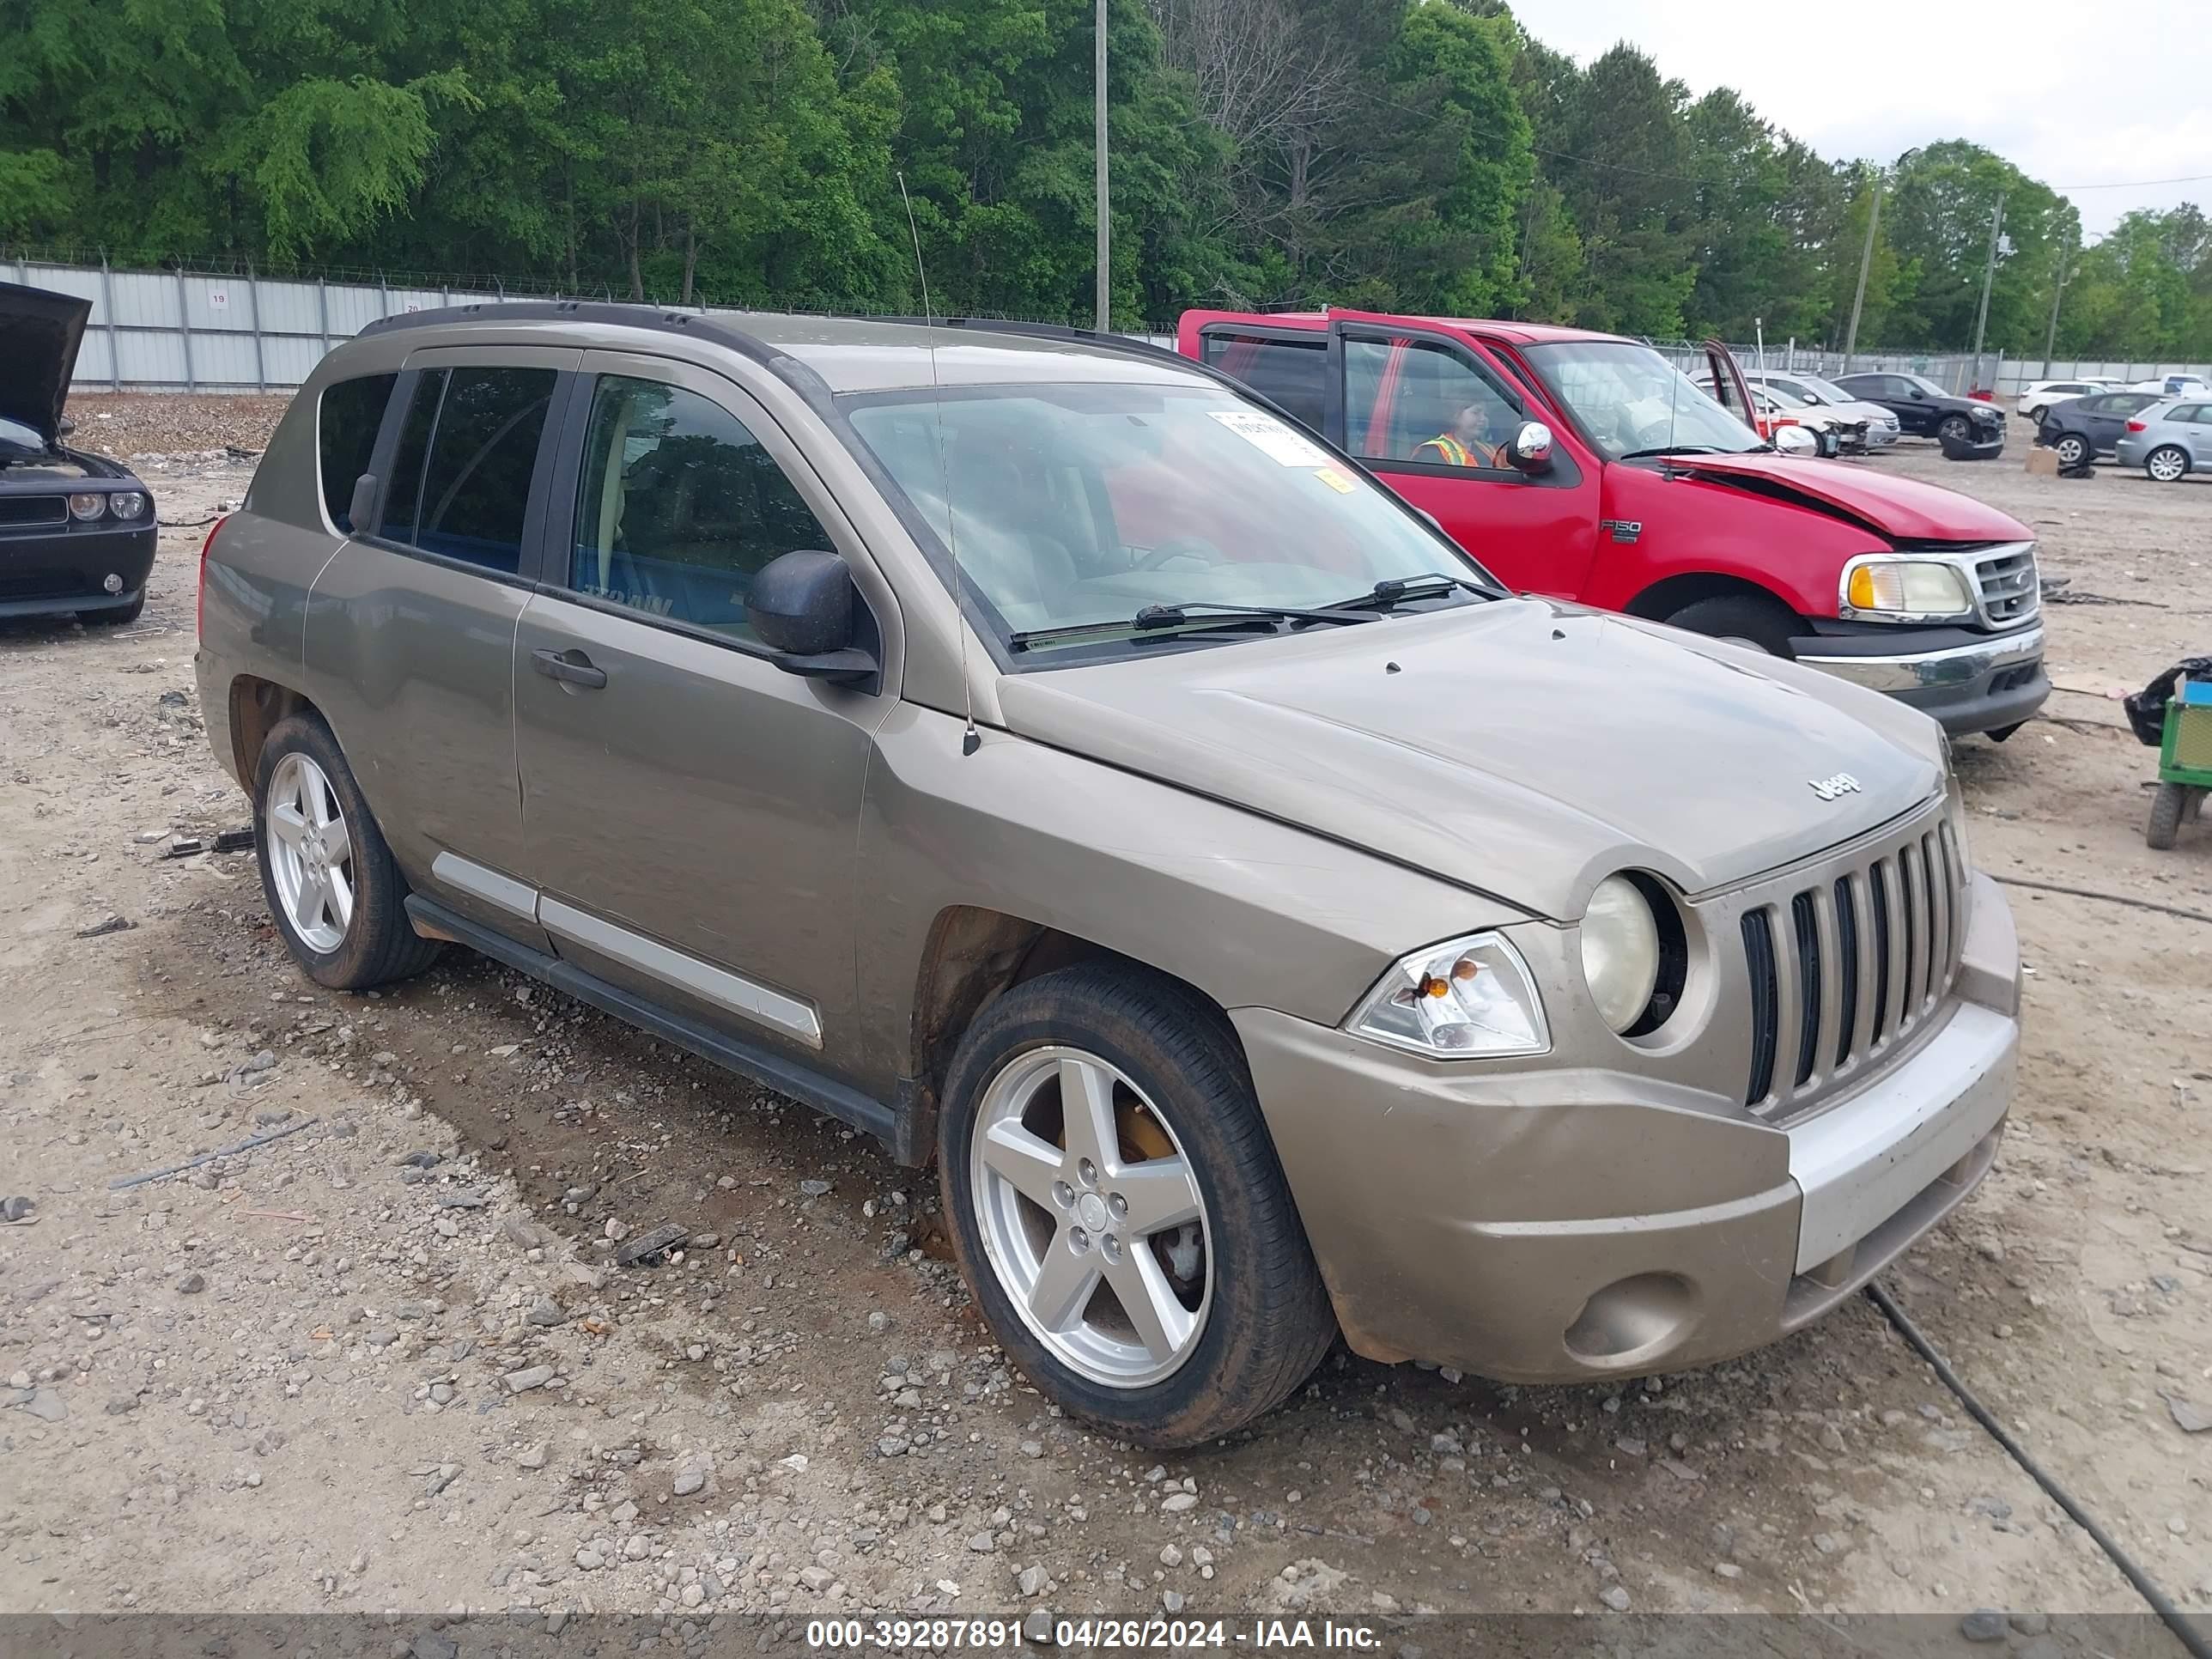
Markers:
(179, 330)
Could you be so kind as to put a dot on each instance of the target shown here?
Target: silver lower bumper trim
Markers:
(1961, 664)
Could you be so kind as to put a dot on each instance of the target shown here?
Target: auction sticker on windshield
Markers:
(1270, 436)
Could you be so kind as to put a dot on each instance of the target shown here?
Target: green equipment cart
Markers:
(2174, 713)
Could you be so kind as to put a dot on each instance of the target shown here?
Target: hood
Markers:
(1859, 410)
(1520, 749)
(1904, 509)
(39, 332)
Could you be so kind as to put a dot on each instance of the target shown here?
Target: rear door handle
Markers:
(556, 666)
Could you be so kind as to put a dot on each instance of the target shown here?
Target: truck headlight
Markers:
(1466, 999)
(1886, 589)
(1620, 953)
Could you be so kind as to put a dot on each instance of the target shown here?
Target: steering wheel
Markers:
(1181, 547)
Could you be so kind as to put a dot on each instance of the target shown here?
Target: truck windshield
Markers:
(1075, 505)
(1632, 401)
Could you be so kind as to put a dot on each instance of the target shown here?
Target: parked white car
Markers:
(1811, 392)
(2042, 394)
(2175, 386)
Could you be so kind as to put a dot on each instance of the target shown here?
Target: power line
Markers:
(2140, 183)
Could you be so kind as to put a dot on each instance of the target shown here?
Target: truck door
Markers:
(1430, 415)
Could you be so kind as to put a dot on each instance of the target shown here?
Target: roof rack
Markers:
(625, 313)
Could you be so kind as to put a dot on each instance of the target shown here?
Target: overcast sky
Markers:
(2071, 95)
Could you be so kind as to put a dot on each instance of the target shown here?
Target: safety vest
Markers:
(1454, 453)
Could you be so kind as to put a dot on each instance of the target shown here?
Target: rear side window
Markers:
(1291, 374)
(460, 477)
(346, 421)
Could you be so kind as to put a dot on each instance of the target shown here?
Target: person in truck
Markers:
(1466, 444)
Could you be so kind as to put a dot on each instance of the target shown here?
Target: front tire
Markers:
(2166, 465)
(116, 618)
(1954, 428)
(333, 889)
(2072, 449)
(2167, 809)
(1119, 1211)
(1742, 618)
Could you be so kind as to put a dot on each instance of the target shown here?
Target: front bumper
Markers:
(1969, 682)
(1570, 1225)
(65, 570)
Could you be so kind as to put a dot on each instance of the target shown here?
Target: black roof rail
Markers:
(660, 319)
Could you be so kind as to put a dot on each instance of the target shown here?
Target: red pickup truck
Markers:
(1587, 467)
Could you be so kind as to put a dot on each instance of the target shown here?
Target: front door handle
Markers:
(573, 668)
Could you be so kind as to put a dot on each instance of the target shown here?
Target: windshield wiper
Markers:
(1168, 621)
(1396, 590)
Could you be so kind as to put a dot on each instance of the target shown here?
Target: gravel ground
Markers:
(412, 1300)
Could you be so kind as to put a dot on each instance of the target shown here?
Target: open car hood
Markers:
(1519, 748)
(39, 333)
(1904, 509)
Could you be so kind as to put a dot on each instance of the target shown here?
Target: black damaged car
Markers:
(76, 530)
(1924, 410)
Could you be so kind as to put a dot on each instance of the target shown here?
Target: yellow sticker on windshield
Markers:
(1334, 479)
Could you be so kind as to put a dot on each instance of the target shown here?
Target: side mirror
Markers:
(1918, 396)
(1809, 401)
(800, 606)
(1795, 440)
(361, 509)
(1530, 449)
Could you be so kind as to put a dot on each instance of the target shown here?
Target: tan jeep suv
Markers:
(1036, 751)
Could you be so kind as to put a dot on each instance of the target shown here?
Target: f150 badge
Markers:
(1834, 788)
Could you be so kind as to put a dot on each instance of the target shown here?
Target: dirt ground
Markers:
(387, 1362)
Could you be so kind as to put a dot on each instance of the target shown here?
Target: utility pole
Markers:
(2057, 289)
(1988, 275)
(1866, 263)
(1105, 222)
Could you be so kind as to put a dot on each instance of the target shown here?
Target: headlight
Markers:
(1620, 952)
(87, 506)
(126, 504)
(1905, 590)
(1466, 999)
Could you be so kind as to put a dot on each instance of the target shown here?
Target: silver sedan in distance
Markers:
(2169, 441)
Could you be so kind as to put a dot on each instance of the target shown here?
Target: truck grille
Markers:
(2006, 582)
(1849, 965)
(26, 510)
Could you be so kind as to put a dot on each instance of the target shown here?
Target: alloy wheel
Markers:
(1091, 1216)
(310, 853)
(2072, 450)
(2167, 465)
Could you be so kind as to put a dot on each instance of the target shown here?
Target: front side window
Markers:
(346, 420)
(1079, 504)
(1420, 401)
(461, 475)
(1633, 401)
(679, 507)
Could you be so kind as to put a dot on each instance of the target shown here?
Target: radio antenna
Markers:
(971, 739)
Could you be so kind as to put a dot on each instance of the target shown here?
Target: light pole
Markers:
(2058, 292)
(1989, 276)
(1866, 257)
(1105, 223)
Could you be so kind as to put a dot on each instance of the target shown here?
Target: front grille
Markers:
(2006, 581)
(23, 510)
(1849, 965)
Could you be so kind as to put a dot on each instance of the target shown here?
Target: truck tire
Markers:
(2165, 813)
(334, 891)
(1742, 618)
(1119, 1211)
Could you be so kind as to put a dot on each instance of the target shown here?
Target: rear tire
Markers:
(2037, 414)
(129, 613)
(1240, 1321)
(1746, 619)
(2166, 811)
(2168, 464)
(355, 935)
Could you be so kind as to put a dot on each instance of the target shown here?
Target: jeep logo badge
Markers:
(1836, 787)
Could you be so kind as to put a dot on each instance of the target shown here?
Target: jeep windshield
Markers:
(1077, 510)
(1633, 401)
